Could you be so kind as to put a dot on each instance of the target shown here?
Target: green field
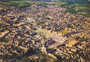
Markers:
(82, 9)
(22, 4)
(75, 8)
(18, 4)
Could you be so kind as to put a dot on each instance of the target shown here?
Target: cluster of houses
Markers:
(21, 27)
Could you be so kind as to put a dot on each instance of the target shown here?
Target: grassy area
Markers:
(19, 4)
(82, 9)
(63, 31)
(71, 38)
(22, 4)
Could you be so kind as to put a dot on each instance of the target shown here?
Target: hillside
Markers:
(75, 1)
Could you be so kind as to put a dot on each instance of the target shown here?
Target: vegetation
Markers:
(4, 40)
(19, 4)
(63, 31)
(82, 9)
(73, 7)
(45, 58)
(42, 4)
(81, 1)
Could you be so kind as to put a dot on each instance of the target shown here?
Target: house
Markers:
(30, 20)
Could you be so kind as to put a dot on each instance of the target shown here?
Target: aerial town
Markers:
(43, 34)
